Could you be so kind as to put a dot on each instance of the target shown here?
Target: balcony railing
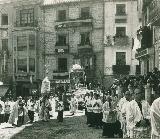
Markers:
(61, 48)
(144, 52)
(85, 48)
(121, 16)
(71, 23)
(121, 69)
(121, 40)
(32, 24)
(60, 74)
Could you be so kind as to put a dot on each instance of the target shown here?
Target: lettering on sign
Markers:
(62, 81)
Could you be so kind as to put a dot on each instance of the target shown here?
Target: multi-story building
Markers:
(148, 54)
(19, 41)
(6, 57)
(26, 51)
(121, 20)
(73, 34)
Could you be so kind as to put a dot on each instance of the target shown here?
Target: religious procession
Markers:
(123, 111)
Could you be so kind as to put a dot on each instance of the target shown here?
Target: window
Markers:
(62, 64)
(120, 31)
(32, 42)
(32, 64)
(85, 12)
(120, 58)
(61, 15)
(4, 20)
(27, 17)
(85, 38)
(61, 40)
(4, 44)
(120, 9)
(22, 65)
(21, 43)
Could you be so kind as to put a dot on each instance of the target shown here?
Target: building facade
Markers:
(121, 22)
(73, 34)
(148, 54)
(20, 58)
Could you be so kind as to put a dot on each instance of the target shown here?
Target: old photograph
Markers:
(79, 69)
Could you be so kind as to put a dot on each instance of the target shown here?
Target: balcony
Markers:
(85, 48)
(154, 12)
(122, 41)
(144, 52)
(121, 16)
(32, 24)
(60, 74)
(72, 23)
(61, 48)
(121, 69)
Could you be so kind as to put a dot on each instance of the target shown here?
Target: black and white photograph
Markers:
(79, 69)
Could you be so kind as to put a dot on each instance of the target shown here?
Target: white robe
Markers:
(135, 115)
(53, 105)
(155, 119)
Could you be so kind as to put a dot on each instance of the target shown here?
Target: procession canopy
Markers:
(76, 68)
(45, 88)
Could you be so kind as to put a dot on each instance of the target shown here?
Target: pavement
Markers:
(7, 130)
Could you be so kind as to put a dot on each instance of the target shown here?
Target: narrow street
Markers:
(72, 127)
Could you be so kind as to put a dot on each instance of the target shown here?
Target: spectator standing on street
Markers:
(97, 111)
(53, 105)
(124, 114)
(1, 111)
(109, 118)
(45, 108)
(60, 109)
(19, 114)
(73, 104)
(89, 104)
(31, 106)
(7, 110)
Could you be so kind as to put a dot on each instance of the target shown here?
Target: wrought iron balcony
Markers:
(60, 74)
(121, 69)
(144, 52)
(121, 41)
(32, 24)
(85, 48)
(72, 23)
(61, 48)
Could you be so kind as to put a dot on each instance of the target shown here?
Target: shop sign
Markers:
(62, 81)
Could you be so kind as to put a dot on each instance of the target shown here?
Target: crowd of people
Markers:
(127, 117)
(123, 110)
(21, 111)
